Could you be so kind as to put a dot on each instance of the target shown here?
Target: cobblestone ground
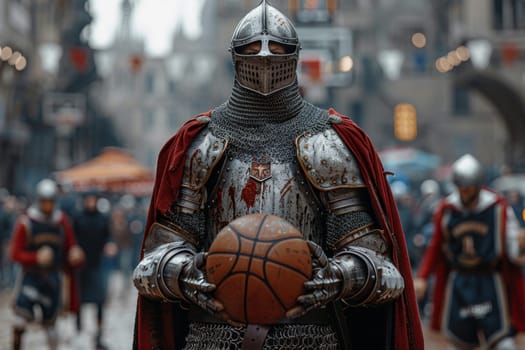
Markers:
(118, 324)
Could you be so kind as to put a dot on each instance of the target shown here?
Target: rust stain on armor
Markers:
(249, 192)
(231, 194)
(194, 155)
(287, 188)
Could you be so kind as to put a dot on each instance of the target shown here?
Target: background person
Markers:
(92, 229)
(474, 252)
(44, 244)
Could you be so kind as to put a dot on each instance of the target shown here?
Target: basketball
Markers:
(259, 264)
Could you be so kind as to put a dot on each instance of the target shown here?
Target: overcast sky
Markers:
(153, 20)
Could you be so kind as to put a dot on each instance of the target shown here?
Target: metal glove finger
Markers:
(317, 297)
(297, 312)
(300, 311)
(199, 285)
(206, 302)
(199, 260)
(318, 253)
(319, 284)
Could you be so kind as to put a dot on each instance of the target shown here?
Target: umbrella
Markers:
(413, 163)
(114, 170)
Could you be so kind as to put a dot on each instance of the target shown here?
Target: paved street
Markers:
(120, 311)
(119, 321)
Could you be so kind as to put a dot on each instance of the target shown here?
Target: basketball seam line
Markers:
(265, 259)
(249, 265)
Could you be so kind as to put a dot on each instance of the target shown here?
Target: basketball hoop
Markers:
(64, 111)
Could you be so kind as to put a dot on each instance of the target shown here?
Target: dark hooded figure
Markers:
(92, 229)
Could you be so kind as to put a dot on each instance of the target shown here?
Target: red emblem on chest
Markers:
(260, 172)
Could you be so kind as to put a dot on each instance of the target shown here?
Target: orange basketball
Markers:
(259, 264)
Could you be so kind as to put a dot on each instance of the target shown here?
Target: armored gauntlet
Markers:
(172, 272)
(368, 277)
(355, 275)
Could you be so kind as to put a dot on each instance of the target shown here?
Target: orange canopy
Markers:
(114, 170)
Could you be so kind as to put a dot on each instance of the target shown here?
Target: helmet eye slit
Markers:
(265, 49)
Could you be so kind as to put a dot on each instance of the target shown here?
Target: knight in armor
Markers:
(475, 253)
(44, 245)
(267, 150)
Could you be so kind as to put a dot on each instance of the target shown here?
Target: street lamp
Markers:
(391, 62)
(480, 52)
(50, 54)
(405, 122)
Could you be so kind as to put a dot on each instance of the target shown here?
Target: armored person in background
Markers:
(475, 253)
(44, 244)
(267, 150)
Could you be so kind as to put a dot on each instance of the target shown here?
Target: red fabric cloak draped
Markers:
(408, 332)
(407, 325)
(434, 261)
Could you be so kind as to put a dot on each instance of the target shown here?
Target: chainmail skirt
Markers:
(212, 336)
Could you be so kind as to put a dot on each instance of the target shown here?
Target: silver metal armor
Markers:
(467, 171)
(265, 72)
(46, 189)
(268, 150)
(171, 270)
(360, 271)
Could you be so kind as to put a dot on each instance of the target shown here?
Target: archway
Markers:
(507, 101)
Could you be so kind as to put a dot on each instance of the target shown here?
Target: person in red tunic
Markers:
(475, 252)
(44, 245)
(267, 150)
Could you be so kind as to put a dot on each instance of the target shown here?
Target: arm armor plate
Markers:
(369, 277)
(327, 162)
(202, 158)
(372, 279)
(157, 274)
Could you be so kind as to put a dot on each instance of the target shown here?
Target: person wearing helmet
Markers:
(267, 150)
(44, 245)
(475, 253)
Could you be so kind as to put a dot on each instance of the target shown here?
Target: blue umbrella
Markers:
(411, 162)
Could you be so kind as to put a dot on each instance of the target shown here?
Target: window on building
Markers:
(171, 86)
(460, 101)
(175, 119)
(509, 15)
(148, 118)
(149, 83)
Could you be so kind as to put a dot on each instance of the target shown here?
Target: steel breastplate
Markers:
(264, 186)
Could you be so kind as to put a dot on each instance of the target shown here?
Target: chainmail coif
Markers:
(258, 125)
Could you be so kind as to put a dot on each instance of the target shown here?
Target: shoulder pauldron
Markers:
(201, 158)
(327, 161)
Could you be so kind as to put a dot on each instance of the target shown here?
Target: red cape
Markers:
(407, 325)
(434, 261)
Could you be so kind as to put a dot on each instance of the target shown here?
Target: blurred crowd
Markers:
(90, 234)
(109, 228)
(126, 215)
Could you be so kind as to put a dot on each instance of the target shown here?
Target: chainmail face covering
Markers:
(290, 337)
(266, 126)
